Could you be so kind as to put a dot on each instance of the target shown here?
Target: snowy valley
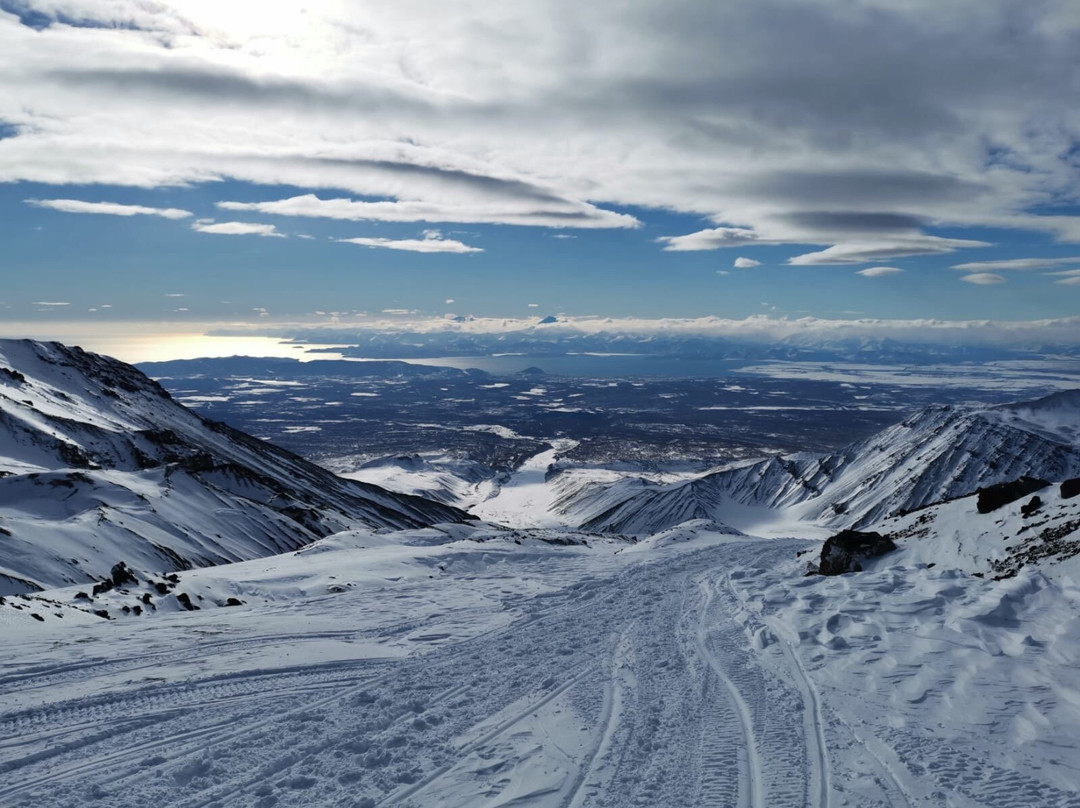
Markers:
(545, 621)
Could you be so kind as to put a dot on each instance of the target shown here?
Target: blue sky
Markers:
(186, 161)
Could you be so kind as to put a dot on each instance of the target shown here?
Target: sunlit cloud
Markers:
(1020, 264)
(865, 252)
(746, 263)
(531, 210)
(984, 279)
(1068, 277)
(760, 327)
(107, 208)
(432, 242)
(420, 114)
(878, 272)
(237, 229)
(712, 239)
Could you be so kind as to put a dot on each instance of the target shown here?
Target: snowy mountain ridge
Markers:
(937, 454)
(98, 464)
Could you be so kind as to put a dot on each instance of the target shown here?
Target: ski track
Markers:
(657, 686)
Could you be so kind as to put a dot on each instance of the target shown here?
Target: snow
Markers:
(525, 498)
(456, 667)
(526, 661)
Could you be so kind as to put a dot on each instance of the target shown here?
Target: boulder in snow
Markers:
(847, 550)
(995, 496)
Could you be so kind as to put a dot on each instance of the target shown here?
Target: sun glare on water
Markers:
(142, 342)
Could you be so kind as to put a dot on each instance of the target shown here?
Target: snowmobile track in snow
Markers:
(733, 721)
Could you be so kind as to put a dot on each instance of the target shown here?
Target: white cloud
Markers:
(984, 279)
(432, 242)
(1021, 264)
(1069, 277)
(534, 305)
(864, 252)
(878, 272)
(722, 272)
(525, 212)
(107, 208)
(449, 301)
(417, 113)
(761, 327)
(237, 229)
(51, 303)
(746, 263)
(712, 239)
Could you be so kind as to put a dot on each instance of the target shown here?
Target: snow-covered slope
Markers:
(468, 667)
(98, 464)
(1000, 543)
(935, 455)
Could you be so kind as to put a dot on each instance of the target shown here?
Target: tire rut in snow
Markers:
(423, 724)
(781, 755)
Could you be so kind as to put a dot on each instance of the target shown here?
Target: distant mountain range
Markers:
(99, 465)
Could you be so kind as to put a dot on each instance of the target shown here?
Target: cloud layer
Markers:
(856, 127)
(879, 272)
(802, 331)
(432, 242)
(237, 229)
(107, 208)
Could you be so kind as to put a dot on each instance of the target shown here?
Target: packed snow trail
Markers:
(642, 678)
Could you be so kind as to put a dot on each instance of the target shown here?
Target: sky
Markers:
(194, 164)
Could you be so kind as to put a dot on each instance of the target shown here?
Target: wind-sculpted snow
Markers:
(936, 455)
(475, 667)
(98, 464)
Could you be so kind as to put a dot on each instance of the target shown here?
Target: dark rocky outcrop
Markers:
(846, 551)
(1070, 488)
(1033, 505)
(121, 574)
(12, 375)
(995, 496)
